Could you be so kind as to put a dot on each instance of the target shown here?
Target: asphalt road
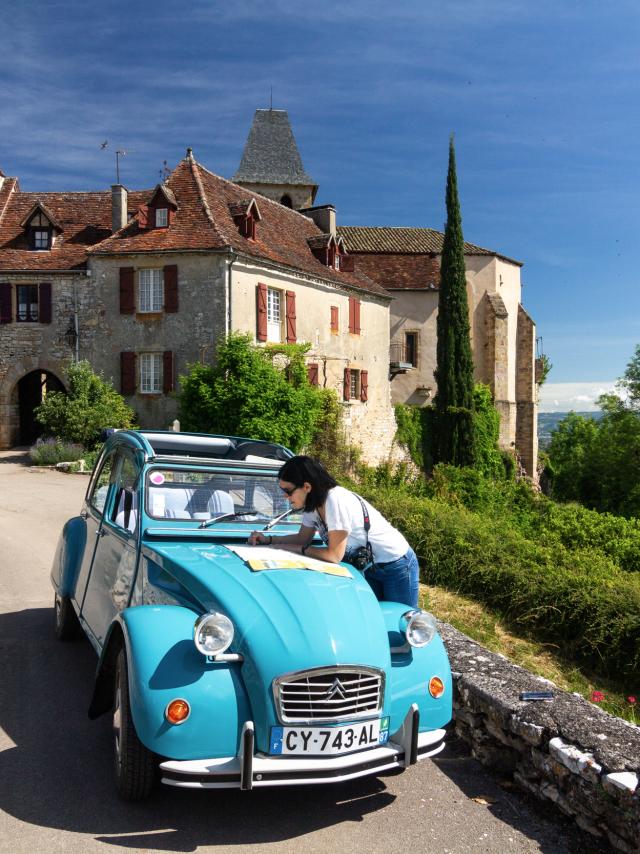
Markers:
(56, 792)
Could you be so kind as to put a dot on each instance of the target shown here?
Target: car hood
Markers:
(285, 619)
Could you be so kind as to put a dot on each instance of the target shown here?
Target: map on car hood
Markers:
(258, 558)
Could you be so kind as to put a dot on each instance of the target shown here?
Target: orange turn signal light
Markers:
(177, 711)
(436, 687)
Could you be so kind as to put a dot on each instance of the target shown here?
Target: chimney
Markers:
(119, 214)
(324, 217)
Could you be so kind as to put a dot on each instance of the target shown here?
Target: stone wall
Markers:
(566, 751)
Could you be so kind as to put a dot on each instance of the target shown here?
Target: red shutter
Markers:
(127, 302)
(127, 373)
(347, 263)
(352, 315)
(312, 374)
(346, 392)
(167, 371)
(356, 316)
(291, 317)
(261, 291)
(5, 302)
(143, 216)
(171, 288)
(364, 386)
(44, 302)
(334, 319)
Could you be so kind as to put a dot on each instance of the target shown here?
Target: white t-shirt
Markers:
(343, 512)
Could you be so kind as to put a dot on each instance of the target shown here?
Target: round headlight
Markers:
(212, 633)
(421, 628)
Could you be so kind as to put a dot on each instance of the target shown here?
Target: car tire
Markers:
(136, 767)
(66, 623)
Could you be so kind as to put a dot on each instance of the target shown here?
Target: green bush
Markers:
(577, 599)
(90, 406)
(329, 443)
(49, 452)
(260, 392)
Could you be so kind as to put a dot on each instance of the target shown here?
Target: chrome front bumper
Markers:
(250, 770)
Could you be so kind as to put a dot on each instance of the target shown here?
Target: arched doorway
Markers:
(31, 390)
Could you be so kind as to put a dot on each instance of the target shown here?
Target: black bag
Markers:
(362, 557)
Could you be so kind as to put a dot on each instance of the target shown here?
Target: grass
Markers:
(488, 629)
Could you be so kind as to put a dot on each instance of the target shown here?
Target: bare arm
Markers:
(303, 536)
(334, 552)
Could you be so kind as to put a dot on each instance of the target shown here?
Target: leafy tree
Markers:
(454, 439)
(629, 385)
(571, 458)
(81, 414)
(260, 392)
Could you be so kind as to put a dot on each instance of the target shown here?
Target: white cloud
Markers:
(581, 397)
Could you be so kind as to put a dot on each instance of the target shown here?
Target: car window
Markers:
(98, 495)
(203, 494)
(125, 506)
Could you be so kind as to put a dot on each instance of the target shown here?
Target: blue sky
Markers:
(543, 100)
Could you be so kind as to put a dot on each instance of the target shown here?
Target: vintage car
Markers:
(225, 665)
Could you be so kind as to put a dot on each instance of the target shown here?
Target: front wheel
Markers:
(135, 765)
(66, 625)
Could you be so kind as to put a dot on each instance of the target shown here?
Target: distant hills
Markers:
(548, 421)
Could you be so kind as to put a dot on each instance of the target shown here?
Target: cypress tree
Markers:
(454, 439)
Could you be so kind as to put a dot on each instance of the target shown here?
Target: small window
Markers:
(28, 303)
(100, 488)
(125, 507)
(41, 238)
(335, 320)
(286, 201)
(151, 373)
(162, 217)
(354, 384)
(411, 348)
(150, 291)
(274, 315)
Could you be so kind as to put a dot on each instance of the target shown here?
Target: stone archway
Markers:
(30, 392)
(18, 398)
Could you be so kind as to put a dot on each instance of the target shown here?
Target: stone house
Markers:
(406, 263)
(142, 284)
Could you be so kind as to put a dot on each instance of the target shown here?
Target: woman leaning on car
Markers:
(340, 517)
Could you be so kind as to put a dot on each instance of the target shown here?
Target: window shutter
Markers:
(167, 371)
(364, 386)
(291, 317)
(44, 302)
(127, 373)
(143, 216)
(356, 316)
(261, 291)
(171, 288)
(352, 323)
(5, 302)
(347, 263)
(127, 303)
(312, 374)
(334, 318)
(346, 393)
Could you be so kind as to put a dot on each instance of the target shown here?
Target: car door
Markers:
(92, 513)
(116, 554)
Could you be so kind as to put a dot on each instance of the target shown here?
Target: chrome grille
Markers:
(329, 694)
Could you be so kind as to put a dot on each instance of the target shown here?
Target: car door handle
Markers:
(100, 532)
(84, 514)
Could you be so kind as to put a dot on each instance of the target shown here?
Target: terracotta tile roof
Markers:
(401, 272)
(84, 217)
(204, 221)
(407, 241)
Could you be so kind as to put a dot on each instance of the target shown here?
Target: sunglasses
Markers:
(289, 492)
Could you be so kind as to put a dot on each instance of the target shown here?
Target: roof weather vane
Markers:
(164, 172)
(120, 152)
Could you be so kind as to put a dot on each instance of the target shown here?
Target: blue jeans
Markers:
(396, 581)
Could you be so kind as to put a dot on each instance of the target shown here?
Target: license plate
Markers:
(328, 741)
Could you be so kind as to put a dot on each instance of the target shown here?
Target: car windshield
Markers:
(201, 494)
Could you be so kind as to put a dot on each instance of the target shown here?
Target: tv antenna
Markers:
(164, 172)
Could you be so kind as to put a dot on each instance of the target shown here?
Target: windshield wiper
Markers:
(209, 522)
(278, 518)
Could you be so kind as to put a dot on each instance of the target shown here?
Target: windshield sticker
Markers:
(156, 478)
(258, 559)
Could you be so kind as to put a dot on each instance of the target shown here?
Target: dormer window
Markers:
(160, 211)
(39, 227)
(328, 250)
(245, 215)
(162, 217)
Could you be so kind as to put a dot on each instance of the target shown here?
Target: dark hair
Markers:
(301, 470)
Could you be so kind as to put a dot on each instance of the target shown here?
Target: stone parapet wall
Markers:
(566, 750)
